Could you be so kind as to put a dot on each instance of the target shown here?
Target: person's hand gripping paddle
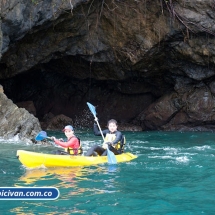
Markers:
(43, 135)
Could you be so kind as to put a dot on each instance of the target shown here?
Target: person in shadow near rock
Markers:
(72, 145)
(113, 139)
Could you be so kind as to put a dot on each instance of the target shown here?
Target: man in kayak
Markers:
(73, 144)
(114, 140)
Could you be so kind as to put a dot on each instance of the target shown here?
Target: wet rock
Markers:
(16, 123)
(1, 89)
(129, 127)
(29, 106)
(193, 110)
(58, 122)
(160, 112)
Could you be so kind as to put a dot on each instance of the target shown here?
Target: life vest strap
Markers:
(75, 151)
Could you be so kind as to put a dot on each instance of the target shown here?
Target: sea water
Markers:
(174, 173)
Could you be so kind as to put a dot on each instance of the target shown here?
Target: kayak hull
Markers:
(34, 159)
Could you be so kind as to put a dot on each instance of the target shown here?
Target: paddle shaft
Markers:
(102, 135)
(100, 128)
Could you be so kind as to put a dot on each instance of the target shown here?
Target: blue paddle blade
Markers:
(92, 109)
(111, 157)
(41, 136)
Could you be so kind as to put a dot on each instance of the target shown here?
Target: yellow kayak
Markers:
(35, 159)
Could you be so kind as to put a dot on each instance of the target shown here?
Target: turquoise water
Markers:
(173, 174)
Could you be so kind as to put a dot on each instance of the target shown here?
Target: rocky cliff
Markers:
(146, 63)
(16, 123)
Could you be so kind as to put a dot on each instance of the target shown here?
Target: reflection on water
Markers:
(63, 174)
(60, 178)
(72, 182)
(112, 168)
(63, 177)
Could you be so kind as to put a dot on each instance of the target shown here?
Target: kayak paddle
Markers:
(93, 111)
(110, 154)
(41, 136)
(111, 157)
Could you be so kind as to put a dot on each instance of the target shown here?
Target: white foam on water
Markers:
(154, 148)
(161, 157)
(139, 147)
(170, 149)
(201, 148)
(198, 166)
(186, 153)
(138, 142)
(183, 159)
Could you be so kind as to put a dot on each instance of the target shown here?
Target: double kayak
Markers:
(34, 159)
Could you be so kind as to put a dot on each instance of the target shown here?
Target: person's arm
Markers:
(118, 137)
(97, 131)
(73, 143)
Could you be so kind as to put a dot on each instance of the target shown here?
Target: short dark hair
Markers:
(111, 121)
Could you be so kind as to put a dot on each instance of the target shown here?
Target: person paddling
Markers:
(72, 145)
(114, 140)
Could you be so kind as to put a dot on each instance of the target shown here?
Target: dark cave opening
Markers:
(60, 94)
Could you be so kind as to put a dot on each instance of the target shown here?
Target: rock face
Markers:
(146, 63)
(57, 122)
(29, 106)
(16, 123)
